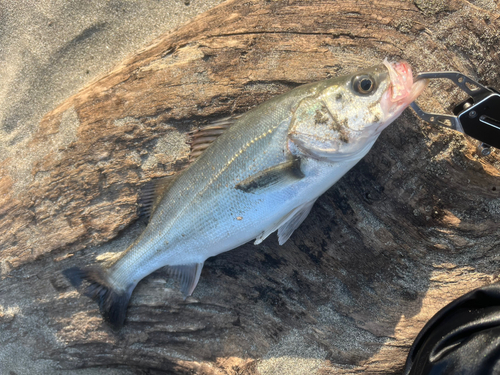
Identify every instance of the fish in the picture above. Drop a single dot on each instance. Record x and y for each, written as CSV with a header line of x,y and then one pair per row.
x,y
262,174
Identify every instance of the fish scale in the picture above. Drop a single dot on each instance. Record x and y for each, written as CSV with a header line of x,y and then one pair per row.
x,y
233,157
260,175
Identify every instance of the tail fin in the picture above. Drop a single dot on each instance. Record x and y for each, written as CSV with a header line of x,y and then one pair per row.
x,y
112,302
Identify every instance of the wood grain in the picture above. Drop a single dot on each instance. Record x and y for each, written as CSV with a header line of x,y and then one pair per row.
x,y
409,229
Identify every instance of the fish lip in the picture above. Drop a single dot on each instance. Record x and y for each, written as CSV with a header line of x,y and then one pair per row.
x,y
402,90
401,77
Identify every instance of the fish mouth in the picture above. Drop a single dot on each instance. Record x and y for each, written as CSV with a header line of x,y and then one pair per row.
x,y
402,90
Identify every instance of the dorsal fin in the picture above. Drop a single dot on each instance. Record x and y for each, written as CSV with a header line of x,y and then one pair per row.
x,y
203,137
151,193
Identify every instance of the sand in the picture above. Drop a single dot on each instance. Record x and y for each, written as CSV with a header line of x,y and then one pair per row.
x,y
50,49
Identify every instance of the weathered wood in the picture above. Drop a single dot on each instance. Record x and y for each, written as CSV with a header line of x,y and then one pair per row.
x,y
406,231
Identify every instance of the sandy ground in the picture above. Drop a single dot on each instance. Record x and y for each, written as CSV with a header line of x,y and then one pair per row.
x,y
49,50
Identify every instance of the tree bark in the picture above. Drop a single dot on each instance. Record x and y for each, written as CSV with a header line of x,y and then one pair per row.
x,y
409,229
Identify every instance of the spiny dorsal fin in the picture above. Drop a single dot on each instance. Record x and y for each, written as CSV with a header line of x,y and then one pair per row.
x,y
151,193
277,176
203,137
188,275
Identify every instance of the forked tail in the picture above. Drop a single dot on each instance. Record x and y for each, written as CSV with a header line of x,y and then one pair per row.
x,y
112,302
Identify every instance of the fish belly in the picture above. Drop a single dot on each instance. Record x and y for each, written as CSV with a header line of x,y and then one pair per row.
x,y
213,226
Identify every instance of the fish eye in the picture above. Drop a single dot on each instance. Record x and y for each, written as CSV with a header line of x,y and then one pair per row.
x,y
363,85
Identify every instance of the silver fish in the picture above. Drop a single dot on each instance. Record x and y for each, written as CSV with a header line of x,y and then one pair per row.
x,y
262,175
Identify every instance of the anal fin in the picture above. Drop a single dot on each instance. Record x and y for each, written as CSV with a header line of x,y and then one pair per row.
x,y
188,276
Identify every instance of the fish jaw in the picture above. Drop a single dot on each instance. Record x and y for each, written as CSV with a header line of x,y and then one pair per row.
x,y
401,92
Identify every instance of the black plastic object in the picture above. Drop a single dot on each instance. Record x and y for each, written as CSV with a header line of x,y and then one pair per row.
x,y
463,338
482,120
478,116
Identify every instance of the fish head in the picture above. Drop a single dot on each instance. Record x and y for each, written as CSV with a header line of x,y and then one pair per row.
x,y
343,118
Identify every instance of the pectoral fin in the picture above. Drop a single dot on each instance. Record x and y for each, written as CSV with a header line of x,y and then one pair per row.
x,y
188,275
274,177
288,223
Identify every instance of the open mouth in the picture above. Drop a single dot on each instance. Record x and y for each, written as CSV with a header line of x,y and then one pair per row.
x,y
402,90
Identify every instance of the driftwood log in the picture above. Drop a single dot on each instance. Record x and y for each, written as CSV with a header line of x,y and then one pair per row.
x,y
410,228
